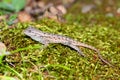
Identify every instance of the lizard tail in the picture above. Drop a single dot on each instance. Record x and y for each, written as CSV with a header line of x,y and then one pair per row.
x,y
92,48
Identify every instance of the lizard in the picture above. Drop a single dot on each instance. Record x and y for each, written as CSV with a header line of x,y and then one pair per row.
x,y
46,38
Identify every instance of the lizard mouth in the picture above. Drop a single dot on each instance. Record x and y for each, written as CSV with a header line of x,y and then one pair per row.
x,y
26,32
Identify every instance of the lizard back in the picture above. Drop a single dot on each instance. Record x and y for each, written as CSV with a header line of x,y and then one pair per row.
x,y
46,38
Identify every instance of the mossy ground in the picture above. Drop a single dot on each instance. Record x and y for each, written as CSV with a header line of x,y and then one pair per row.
x,y
29,61
58,61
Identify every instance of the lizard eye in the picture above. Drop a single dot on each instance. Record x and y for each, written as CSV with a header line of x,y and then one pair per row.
x,y
29,30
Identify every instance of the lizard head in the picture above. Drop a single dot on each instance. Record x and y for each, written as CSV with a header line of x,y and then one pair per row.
x,y
29,31
33,32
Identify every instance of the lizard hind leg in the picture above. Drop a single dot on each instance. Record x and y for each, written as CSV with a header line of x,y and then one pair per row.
x,y
77,49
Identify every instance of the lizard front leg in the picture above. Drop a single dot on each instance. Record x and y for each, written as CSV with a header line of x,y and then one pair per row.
x,y
44,42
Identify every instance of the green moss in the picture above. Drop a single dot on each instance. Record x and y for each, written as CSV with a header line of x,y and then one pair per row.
x,y
58,61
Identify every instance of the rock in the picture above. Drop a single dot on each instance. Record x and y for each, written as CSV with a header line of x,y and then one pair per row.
x,y
3,49
87,8
53,10
109,15
41,4
24,17
62,9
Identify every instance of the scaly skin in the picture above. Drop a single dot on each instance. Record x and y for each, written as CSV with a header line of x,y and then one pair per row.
x,y
46,38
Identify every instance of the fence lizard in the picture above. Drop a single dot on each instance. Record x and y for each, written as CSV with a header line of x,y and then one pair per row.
x,y
46,38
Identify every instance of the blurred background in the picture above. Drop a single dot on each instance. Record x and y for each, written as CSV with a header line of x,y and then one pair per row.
x,y
60,10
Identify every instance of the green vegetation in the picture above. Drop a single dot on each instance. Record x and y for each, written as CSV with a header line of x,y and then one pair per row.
x,y
12,5
58,61
30,61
